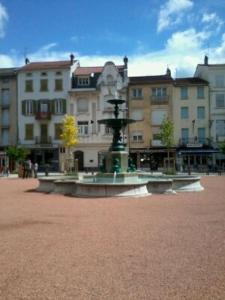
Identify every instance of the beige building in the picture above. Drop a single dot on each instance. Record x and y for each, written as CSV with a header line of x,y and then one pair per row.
x,y
191,122
8,111
150,101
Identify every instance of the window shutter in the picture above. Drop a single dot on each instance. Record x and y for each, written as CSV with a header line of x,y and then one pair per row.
x,y
38,106
34,103
64,105
52,103
24,107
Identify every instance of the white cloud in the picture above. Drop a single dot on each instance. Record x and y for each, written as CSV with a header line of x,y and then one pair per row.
x,y
182,52
171,13
211,20
3,19
188,40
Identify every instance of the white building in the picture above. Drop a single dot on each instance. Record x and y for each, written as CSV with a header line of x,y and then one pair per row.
x,y
215,75
91,88
42,101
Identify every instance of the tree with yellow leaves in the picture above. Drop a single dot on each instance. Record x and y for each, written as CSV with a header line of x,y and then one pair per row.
x,y
69,138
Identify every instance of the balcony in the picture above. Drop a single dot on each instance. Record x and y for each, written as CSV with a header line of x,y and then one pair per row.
x,y
43,116
43,140
159,100
5,104
194,142
156,143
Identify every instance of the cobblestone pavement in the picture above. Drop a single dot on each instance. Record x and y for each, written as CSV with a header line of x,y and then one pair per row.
x,y
155,247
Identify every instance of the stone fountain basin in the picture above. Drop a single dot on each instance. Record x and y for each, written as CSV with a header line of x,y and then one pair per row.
x,y
123,184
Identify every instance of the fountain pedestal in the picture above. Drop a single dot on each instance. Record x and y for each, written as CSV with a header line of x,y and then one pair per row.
x,y
117,156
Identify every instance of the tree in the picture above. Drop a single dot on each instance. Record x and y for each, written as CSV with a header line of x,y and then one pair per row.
x,y
69,137
16,154
166,136
222,147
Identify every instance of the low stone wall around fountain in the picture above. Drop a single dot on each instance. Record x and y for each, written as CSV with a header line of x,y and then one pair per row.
x,y
127,184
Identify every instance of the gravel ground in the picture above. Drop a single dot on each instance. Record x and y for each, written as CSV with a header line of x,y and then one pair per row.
x,y
155,247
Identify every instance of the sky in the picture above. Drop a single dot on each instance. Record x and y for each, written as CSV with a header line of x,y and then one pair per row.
x,y
153,34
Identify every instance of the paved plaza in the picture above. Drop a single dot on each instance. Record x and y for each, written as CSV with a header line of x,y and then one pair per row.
x,y
155,247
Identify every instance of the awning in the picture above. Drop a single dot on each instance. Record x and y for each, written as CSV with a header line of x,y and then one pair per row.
x,y
198,151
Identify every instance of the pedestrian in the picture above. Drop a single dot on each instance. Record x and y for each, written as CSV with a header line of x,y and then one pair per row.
x,y
35,169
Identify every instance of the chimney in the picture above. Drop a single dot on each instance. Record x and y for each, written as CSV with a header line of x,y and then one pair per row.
x,y
125,60
206,60
168,72
27,61
71,59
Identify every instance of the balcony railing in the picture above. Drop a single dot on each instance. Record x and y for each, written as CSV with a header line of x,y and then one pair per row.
x,y
194,142
43,140
161,99
43,116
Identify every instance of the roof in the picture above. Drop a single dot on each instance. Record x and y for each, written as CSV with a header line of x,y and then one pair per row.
x,y
90,70
8,71
151,79
190,81
212,65
33,66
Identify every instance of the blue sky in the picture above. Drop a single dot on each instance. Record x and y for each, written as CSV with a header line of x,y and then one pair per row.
x,y
153,34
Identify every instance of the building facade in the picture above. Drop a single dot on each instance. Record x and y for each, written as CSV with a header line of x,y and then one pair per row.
x,y
8,112
150,101
215,75
91,88
192,123
42,102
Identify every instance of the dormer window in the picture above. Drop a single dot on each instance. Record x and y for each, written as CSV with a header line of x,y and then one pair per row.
x,y
83,81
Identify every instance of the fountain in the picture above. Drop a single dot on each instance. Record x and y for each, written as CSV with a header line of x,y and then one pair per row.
x,y
117,175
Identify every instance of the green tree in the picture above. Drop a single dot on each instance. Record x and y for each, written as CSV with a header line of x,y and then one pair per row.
x,y
69,138
16,154
222,147
166,136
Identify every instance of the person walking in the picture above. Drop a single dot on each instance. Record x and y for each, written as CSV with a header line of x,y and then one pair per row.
x,y
35,169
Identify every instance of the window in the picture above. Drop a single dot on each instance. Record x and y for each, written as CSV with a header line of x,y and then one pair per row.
x,y
58,73
200,92
184,93
58,130
220,101
5,97
219,81
137,137
184,135
43,74
201,135
157,116
184,112
220,127
201,112
156,136
29,85
28,74
59,106
159,92
5,80
5,117
5,136
82,105
43,107
137,93
137,115
83,81
108,130
58,85
27,107
82,127
29,131
44,85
